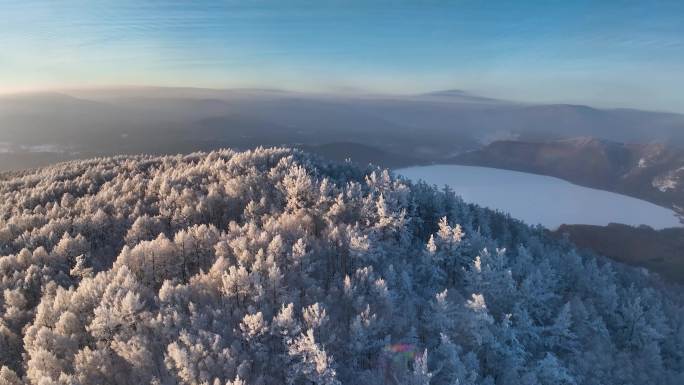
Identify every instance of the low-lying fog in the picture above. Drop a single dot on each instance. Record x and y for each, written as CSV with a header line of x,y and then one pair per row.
x,y
542,199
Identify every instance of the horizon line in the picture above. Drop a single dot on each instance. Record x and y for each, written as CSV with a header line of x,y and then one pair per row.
x,y
333,92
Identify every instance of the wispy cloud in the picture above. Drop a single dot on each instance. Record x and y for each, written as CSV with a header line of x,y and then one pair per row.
x,y
344,43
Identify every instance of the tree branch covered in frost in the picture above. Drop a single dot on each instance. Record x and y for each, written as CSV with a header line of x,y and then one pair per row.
x,y
272,267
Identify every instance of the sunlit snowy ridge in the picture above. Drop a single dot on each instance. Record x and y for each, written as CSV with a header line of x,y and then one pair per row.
x,y
273,267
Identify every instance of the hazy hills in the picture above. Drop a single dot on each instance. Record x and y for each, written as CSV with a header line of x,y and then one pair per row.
x,y
428,128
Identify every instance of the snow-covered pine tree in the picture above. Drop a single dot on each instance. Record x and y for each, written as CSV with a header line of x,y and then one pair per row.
x,y
271,267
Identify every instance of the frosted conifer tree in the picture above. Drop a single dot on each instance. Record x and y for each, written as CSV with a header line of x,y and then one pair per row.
x,y
273,267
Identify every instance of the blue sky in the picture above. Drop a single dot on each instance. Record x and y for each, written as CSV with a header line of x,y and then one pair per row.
x,y
607,52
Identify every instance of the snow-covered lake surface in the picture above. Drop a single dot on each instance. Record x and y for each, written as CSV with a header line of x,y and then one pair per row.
x,y
542,199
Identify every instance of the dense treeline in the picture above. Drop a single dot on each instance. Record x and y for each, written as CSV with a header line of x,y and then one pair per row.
x,y
271,267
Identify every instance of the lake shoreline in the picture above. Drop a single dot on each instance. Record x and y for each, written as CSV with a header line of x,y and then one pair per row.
x,y
566,202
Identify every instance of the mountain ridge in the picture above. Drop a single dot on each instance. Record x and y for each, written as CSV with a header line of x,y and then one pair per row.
x,y
273,266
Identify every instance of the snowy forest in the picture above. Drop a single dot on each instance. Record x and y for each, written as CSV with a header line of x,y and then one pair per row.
x,y
272,266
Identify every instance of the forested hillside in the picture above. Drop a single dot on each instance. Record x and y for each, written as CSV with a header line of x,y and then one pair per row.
x,y
657,250
272,267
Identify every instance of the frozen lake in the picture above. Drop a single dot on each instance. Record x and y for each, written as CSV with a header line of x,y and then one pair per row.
x,y
542,199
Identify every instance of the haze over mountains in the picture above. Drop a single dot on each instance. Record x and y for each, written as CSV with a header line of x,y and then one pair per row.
x,y
451,126
578,143
430,127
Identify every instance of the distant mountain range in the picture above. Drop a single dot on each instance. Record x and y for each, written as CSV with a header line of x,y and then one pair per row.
x,y
431,127
451,126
